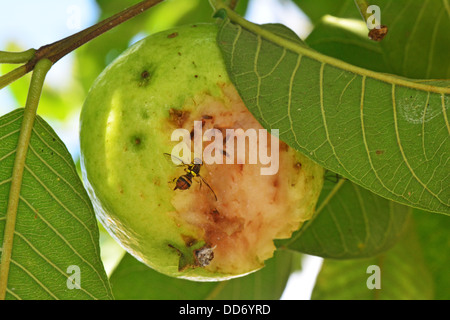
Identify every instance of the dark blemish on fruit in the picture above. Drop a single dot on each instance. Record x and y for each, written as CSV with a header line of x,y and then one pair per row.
x,y
298,166
207,117
183,263
194,26
136,142
196,76
172,35
145,74
276,183
145,77
178,117
179,53
189,241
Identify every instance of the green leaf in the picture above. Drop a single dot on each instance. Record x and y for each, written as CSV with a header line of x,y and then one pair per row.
x,y
315,10
56,233
433,231
416,45
403,275
350,222
134,280
346,39
386,133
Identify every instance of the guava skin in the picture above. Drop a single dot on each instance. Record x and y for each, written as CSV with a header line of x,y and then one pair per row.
x,y
161,83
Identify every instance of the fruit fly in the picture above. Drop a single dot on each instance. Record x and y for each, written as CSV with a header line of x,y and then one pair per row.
x,y
192,170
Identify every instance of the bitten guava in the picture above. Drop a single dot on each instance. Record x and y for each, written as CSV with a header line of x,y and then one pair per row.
x,y
194,220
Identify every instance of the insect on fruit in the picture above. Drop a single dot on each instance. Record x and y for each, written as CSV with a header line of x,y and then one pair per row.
x,y
192,170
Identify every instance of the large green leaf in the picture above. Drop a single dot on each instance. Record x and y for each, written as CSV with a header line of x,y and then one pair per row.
x,y
415,268
386,133
350,222
347,40
55,239
416,45
433,235
134,280
315,10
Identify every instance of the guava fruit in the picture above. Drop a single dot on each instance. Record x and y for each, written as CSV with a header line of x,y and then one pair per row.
x,y
220,220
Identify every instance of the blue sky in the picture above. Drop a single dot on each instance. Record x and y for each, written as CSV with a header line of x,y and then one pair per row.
x,y
31,24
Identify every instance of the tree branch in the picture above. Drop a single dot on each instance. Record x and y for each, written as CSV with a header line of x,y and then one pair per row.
x,y
59,49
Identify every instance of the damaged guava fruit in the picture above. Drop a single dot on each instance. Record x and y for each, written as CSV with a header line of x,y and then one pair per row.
x,y
198,221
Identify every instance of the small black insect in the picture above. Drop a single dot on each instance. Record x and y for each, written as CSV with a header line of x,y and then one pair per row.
x,y
192,170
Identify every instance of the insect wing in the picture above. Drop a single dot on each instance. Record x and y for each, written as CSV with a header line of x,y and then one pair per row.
x,y
207,184
175,160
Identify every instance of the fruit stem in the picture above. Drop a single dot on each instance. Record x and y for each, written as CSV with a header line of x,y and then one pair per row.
x,y
34,94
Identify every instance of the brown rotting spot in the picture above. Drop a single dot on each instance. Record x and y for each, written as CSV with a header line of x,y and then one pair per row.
x,y
145,74
172,35
178,117
378,34
188,240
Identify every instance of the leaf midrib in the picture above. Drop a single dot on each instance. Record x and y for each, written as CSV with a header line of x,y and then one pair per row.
x,y
303,50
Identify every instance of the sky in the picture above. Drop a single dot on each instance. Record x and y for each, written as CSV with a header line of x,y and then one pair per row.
x,y
32,23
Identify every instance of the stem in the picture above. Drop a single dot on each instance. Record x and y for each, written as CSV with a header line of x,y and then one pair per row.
x,y
16,57
12,76
379,31
59,49
34,94
362,6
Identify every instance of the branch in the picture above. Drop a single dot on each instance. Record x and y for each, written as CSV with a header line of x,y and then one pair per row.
x,y
59,49
16,57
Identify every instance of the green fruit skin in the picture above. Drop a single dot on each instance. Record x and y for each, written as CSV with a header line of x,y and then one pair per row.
x,y
123,137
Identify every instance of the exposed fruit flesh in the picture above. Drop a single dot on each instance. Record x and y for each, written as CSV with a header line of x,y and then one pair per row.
x,y
163,83
251,209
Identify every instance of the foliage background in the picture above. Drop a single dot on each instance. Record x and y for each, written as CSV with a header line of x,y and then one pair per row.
x,y
420,275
